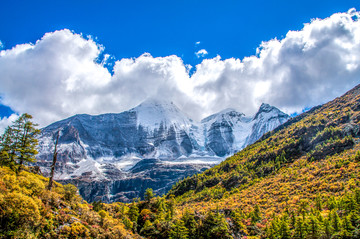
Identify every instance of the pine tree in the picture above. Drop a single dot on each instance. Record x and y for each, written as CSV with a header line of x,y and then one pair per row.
x,y
347,225
292,219
18,143
357,196
303,208
133,212
149,194
148,229
270,232
335,222
6,144
190,224
255,215
179,231
284,229
171,205
300,228
25,138
215,226
318,203
273,230
327,228
314,227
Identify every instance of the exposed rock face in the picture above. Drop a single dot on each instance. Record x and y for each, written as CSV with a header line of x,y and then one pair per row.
x,y
108,156
266,119
148,173
229,131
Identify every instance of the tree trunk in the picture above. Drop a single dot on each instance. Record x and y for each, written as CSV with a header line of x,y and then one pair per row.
x,y
53,163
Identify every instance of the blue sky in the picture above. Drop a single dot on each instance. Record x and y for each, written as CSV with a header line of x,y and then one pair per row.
x,y
229,28
128,29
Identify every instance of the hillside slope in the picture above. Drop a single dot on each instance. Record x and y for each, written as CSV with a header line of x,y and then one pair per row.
x,y
301,180
29,210
312,159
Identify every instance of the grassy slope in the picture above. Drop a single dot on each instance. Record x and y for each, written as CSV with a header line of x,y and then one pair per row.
x,y
313,155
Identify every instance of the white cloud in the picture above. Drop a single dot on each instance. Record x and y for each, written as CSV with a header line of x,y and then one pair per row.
x,y
53,78
197,43
306,68
7,121
201,53
58,75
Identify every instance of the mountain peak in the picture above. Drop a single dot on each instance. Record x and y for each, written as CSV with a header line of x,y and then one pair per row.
x,y
156,102
154,111
219,115
266,107
228,110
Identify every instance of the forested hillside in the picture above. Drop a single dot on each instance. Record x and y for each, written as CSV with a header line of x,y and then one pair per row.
x,y
29,210
32,206
301,180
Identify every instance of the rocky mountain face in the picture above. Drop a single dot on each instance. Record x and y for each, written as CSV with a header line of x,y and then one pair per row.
x,y
229,131
115,157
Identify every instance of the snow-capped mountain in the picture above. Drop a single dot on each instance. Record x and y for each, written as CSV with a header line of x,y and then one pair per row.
x,y
226,131
107,147
153,113
266,119
229,131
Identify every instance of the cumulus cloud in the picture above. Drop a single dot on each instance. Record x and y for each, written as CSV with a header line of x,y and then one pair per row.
x,y
53,78
61,74
306,68
201,53
7,121
197,43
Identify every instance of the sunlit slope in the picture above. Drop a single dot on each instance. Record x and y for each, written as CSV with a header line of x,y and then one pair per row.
x,y
312,154
29,210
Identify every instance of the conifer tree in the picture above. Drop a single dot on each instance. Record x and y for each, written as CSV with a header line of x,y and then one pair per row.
x,y
303,208
292,219
300,228
284,230
215,226
171,205
318,203
179,231
347,223
26,133
314,227
190,224
255,215
148,229
18,143
6,144
133,212
327,228
336,224
149,194
274,229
